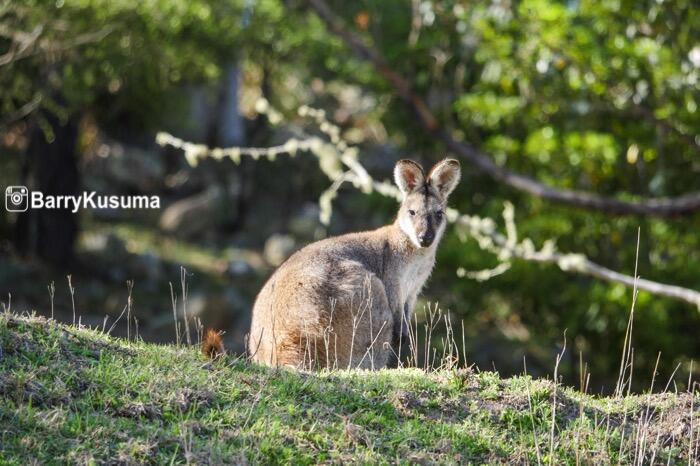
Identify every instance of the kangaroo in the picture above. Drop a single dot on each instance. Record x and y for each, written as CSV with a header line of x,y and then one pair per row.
x,y
344,301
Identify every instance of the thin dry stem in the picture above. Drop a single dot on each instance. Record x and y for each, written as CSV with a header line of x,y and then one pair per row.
x,y
183,285
72,295
52,293
173,301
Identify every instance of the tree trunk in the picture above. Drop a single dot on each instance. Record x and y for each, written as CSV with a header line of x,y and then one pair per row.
x,y
226,129
50,167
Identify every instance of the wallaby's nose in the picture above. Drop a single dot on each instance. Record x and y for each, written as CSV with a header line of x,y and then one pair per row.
x,y
426,239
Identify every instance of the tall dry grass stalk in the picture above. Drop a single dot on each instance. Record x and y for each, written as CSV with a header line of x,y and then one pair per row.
x,y
319,349
318,345
129,304
52,293
7,307
627,358
173,301
72,295
185,292
554,401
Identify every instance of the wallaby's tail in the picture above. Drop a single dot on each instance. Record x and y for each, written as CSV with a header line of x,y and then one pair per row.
x,y
212,346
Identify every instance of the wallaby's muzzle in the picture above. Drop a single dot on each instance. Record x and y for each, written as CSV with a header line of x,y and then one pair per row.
x,y
426,239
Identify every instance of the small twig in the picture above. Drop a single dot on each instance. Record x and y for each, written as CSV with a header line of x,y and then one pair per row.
x,y
114,324
627,344
691,452
200,330
554,401
129,302
372,344
464,346
52,292
22,112
183,284
173,300
7,308
72,295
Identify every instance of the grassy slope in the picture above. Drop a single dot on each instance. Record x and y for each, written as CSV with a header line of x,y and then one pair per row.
x,y
76,396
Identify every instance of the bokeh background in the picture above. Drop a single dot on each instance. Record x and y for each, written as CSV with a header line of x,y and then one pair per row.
x,y
599,96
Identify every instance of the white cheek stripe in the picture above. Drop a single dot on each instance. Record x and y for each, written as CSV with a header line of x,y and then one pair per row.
x,y
440,231
407,227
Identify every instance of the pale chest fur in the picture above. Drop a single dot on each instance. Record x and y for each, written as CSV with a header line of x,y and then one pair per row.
x,y
415,274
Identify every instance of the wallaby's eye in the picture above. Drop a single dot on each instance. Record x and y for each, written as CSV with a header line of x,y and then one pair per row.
x,y
438,215
412,212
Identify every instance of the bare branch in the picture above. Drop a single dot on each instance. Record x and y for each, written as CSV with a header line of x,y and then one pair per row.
x,y
340,164
25,45
22,112
484,232
660,207
22,45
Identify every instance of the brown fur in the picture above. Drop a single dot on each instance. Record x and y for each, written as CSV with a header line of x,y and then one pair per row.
x,y
212,345
340,302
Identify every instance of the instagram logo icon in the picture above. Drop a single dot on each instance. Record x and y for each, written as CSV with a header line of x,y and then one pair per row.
x,y
16,199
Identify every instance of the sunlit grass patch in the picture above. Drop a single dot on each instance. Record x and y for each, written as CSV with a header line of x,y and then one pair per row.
x,y
74,395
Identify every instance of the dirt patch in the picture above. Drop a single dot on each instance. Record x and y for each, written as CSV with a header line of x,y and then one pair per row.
x,y
137,410
425,405
668,418
405,403
21,391
186,398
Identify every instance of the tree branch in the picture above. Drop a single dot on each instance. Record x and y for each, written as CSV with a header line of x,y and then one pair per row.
x,y
339,162
21,112
29,44
508,247
659,207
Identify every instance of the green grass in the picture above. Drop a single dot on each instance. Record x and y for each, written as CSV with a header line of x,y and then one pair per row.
x,y
71,395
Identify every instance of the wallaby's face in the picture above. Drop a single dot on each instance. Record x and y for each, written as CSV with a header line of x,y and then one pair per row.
x,y
422,212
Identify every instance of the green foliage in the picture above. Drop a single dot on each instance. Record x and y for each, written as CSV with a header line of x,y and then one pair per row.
x,y
600,96
129,55
596,96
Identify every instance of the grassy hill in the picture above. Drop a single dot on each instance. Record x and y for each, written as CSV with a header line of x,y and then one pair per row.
x,y
70,395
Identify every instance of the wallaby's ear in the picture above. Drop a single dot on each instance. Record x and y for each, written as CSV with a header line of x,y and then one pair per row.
x,y
408,176
444,176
